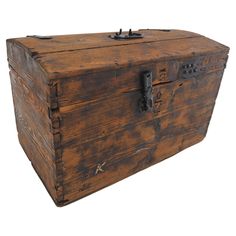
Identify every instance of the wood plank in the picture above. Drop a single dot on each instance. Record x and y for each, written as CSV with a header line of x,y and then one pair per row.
x,y
74,42
28,69
131,164
103,85
81,160
30,102
45,171
101,118
67,64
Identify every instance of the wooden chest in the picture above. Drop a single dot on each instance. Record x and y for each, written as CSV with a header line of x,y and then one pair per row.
x,y
92,109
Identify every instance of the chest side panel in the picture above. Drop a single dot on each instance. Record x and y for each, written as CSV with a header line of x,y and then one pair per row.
x,y
35,110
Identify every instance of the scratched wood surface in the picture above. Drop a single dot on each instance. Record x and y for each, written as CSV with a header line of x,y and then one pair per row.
x,y
77,103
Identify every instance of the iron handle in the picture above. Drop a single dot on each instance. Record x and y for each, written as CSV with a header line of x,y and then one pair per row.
x,y
130,35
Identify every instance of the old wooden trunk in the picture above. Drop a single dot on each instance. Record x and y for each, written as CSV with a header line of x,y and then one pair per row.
x,y
93,109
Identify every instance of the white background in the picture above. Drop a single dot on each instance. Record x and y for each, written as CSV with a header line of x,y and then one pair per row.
x,y
193,193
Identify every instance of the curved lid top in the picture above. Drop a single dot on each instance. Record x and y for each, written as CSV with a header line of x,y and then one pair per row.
x,y
69,55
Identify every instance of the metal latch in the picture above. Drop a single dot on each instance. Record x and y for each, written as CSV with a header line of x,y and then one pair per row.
x,y
40,36
147,100
130,35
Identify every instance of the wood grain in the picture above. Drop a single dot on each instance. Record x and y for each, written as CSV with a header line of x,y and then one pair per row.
x,y
67,64
79,121
60,43
88,88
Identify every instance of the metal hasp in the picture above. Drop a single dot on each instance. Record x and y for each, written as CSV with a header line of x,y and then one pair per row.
x,y
147,101
130,35
39,36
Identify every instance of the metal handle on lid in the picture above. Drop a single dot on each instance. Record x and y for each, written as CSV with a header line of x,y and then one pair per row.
x,y
130,35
